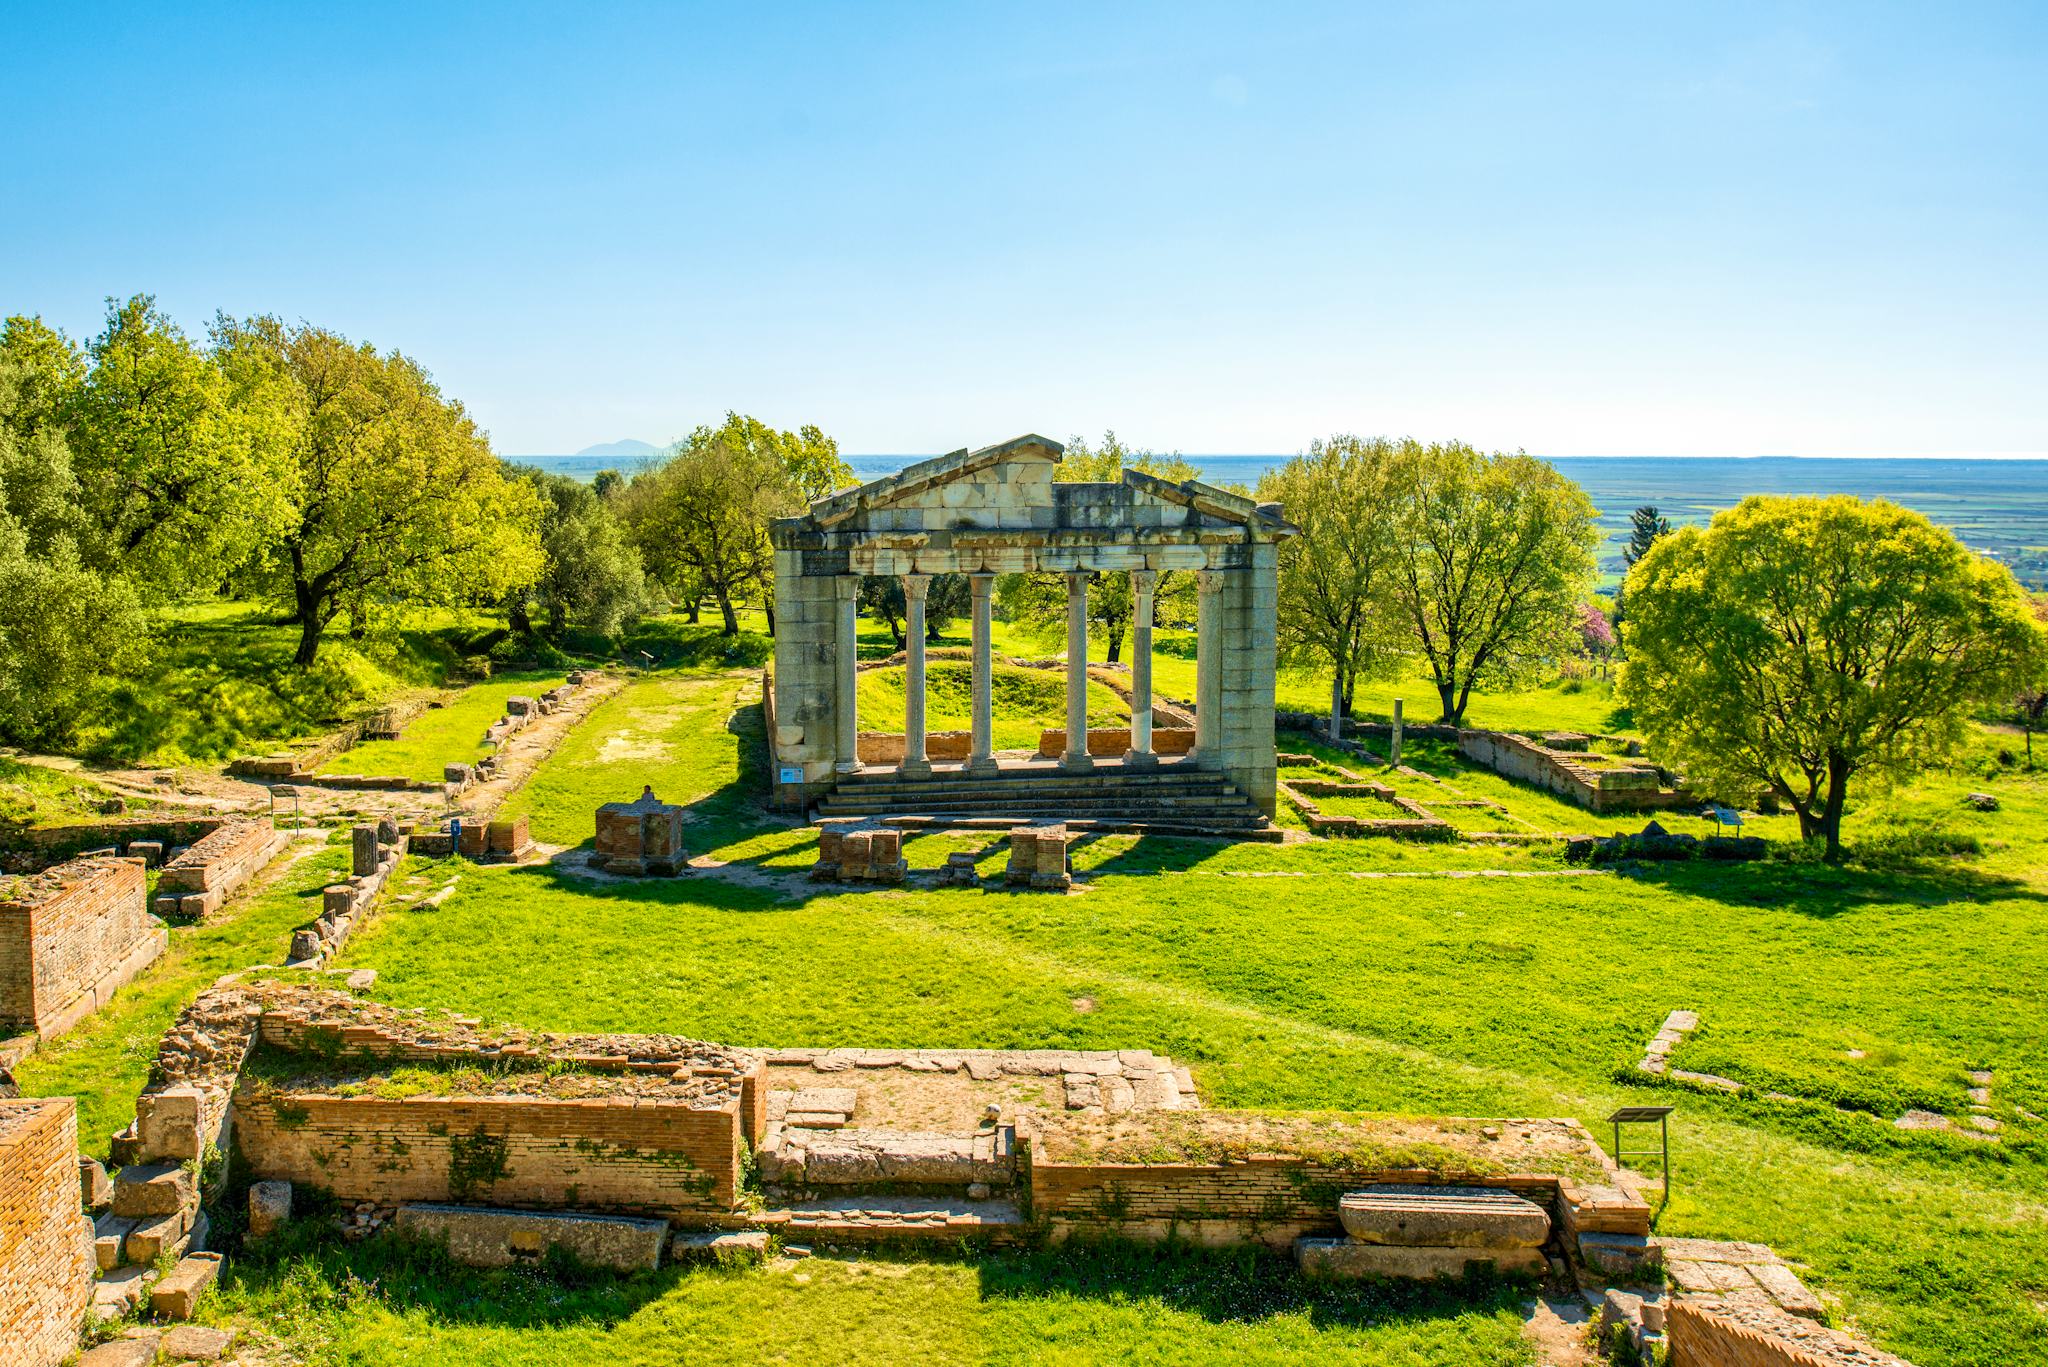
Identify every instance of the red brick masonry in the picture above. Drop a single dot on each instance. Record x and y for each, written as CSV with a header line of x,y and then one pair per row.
x,y
70,936
46,1261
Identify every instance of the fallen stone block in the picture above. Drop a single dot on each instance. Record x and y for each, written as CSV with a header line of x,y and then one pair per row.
x,y
151,1239
138,1351
745,1245
195,1343
1442,1217
305,945
95,1189
1348,1258
270,1206
484,1237
170,1122
1625,1257
155,1189
110,1240
177,1295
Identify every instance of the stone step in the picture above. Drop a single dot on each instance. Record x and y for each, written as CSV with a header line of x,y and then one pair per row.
x,y
1011,792
1078,806
870,1219
1252,827
1409,1216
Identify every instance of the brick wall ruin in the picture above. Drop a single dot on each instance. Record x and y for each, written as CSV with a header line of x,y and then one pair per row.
x,y
70,936
1623,788
1271,1178
214,867
1757,1335
637,1152
46,1259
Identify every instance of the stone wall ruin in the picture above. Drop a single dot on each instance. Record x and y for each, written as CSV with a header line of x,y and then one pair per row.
x,y
69,937
46,1258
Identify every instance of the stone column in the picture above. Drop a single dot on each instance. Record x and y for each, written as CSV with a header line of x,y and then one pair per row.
x,y
915,764
1208,664
1076,756
981,758
1394,743
1140,755
846,657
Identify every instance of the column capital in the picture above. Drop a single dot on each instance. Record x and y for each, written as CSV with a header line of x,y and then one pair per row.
x,y
1077,580
980,581
1144,581
1208,581
915,585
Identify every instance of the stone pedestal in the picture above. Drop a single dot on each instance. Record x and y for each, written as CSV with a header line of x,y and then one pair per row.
x,y
859,854
641,837
1038,857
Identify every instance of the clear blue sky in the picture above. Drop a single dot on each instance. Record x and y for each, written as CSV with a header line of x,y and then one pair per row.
x,y
1630,229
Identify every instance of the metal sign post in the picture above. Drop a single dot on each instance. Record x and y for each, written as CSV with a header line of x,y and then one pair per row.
x,y
1645,1115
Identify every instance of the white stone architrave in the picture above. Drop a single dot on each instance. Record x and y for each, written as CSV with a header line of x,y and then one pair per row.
x,y
998,510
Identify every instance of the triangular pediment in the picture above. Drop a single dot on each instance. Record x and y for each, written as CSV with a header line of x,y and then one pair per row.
x,y
915,484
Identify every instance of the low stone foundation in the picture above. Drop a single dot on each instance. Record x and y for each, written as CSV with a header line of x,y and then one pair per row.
x,y
69,937
1710,1332
507,1238
641,837
211,870
1038,857
46,1254
859,853
1606,788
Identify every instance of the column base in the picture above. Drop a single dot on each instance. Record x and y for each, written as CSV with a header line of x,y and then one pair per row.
x,y
1076,763
914,768
983,766
1140,759
848,766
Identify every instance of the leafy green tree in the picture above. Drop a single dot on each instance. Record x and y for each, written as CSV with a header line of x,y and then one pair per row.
x,y
395,500
1796,644
1039,601
700,519
593,577
183,478
1495,553
63,624
1335,608
946,598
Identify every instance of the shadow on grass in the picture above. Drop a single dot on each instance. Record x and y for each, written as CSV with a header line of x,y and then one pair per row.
x,y
1823,892
309,1271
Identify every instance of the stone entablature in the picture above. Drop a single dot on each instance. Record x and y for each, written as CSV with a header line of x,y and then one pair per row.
x,y
999,510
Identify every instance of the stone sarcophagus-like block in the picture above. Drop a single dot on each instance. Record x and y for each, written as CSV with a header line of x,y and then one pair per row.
x,y
644,836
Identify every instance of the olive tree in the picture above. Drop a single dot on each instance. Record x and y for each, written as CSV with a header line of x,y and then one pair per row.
x,y
1795,644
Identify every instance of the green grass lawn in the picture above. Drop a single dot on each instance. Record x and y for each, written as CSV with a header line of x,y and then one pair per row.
x,y
35,795
1351,974
439,736
1022,702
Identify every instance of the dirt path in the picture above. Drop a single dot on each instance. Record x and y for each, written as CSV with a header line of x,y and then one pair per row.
x,y
1560,1327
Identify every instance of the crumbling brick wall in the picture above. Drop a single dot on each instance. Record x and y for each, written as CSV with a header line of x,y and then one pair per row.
x,y
1757,1336
204,876
636,1154
68,937
46,1258
1268,1200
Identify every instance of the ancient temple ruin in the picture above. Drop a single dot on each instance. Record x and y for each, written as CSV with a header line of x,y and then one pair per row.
x,y
999,510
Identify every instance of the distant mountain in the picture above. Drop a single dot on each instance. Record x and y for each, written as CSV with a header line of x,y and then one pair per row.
x,y
628,447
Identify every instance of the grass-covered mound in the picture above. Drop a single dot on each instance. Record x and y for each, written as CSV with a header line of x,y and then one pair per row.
x,y
32,795
1022,702
449,734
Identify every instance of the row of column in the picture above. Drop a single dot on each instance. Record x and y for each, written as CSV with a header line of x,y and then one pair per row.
x,y
981,755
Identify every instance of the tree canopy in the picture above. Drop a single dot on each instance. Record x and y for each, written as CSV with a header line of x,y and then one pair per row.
x,y
700,519
592,577
1494,555
394,496
1796,643
1335,590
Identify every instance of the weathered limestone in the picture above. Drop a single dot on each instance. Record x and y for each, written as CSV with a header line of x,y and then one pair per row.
x,y
1076,756
981,755
1350,1258
1140,755
1208,589
485,1237
999,510
859,854
915,763
1038,857
270,1207
1442,1217
177,1295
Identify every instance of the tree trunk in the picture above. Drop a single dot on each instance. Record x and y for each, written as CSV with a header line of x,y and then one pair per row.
x,y
1337,707
1831,815
732,618
695,609
1453,707
557,619
768,611
516,615
309,639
